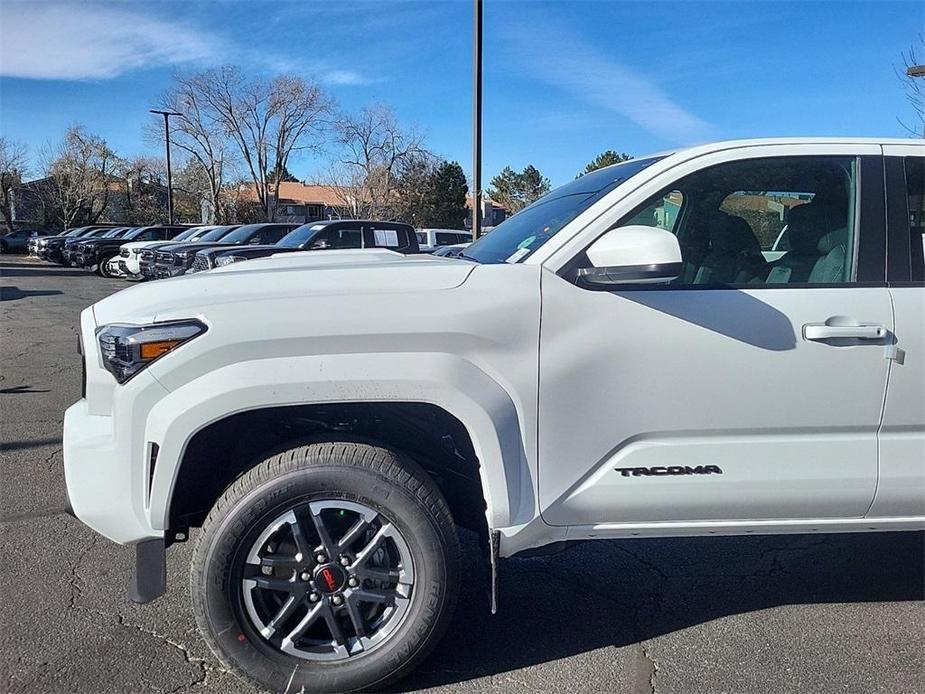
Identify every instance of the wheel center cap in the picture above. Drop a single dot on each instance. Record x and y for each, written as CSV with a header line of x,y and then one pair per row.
x,y
330,578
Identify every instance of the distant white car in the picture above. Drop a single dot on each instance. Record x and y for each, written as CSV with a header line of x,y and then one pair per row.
x,y
431,239
128,263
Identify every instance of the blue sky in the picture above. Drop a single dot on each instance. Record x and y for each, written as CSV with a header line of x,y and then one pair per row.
x,y
563,80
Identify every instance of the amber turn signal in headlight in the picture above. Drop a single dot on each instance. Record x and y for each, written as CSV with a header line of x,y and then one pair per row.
x,y
127,349
152,350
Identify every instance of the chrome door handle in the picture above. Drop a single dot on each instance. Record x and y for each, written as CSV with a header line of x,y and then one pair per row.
x,y
821,331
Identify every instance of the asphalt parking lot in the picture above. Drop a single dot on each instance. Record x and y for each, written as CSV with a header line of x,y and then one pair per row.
x,y
838,613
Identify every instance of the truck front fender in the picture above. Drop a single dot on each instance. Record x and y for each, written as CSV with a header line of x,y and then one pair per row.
x,y
493,419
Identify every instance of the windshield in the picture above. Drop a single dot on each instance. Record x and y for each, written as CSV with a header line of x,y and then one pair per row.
x,y
136,232
517,237
241,234
216,233
113,233
192,231
298,236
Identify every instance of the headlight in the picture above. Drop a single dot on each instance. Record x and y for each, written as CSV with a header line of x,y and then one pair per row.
x,y
127,349
224,260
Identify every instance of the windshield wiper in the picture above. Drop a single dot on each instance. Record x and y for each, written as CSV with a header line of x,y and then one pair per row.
x,y
469,257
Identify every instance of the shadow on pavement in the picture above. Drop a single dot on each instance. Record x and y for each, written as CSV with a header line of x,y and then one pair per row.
x,y
15,293
618,593
16,390
33,443
35,269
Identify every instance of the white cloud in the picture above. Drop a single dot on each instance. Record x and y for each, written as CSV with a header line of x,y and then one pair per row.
x,y
81,41
571,64
87,41
345,77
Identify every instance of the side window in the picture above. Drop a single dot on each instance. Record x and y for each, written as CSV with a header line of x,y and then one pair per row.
x,y
390,238
338,238
662,212
270,235
782,220
151,235
915,191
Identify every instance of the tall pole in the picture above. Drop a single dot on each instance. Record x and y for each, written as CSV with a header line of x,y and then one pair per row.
x,y
477,120
167,115
917,71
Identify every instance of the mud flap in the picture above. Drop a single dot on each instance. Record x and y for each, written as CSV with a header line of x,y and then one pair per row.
x,y
149,581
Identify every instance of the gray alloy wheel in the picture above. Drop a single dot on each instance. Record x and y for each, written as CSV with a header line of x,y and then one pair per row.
x,y
328,580
329,567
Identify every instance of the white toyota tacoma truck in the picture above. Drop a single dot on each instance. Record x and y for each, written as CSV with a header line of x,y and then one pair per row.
x,y
725,339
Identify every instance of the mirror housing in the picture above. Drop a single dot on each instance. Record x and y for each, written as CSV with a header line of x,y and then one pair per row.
x,y
634,254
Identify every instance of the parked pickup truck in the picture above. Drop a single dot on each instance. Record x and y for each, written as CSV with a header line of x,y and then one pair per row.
x,y
627,357
315,236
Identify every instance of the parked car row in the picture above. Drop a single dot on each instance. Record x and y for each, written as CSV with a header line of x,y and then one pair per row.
x,y
162,251
17,241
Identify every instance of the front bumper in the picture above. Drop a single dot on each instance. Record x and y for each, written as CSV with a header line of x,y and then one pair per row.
x,y
126,272
101,481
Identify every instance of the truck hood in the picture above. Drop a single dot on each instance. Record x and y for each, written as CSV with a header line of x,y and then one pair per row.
x,y
131,245
266,280
285,259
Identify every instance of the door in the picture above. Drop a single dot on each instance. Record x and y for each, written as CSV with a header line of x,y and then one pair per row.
x,y
901,491
750,388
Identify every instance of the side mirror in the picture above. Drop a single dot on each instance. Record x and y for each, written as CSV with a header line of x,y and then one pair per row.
x,y
633,254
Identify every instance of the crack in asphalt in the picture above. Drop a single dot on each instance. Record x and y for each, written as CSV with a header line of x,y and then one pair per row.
x,y
205,668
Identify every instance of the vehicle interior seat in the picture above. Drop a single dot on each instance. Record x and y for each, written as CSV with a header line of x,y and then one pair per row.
x,y
818,252
734,254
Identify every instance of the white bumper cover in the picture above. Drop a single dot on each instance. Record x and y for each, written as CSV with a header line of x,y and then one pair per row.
x,y
101,479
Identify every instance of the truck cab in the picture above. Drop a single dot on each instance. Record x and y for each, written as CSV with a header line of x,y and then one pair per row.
x,y
636,354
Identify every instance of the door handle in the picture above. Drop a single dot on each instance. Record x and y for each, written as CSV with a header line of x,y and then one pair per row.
x,y
821,331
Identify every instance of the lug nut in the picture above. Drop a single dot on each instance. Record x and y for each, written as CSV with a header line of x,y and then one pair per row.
x,y
314,597
344,561
353,582
267,570
337,600
305,576
320,558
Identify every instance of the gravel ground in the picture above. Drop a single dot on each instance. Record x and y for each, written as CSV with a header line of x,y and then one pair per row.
x,y
838,613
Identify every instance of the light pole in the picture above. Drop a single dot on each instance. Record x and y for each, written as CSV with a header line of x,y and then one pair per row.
x,y
477,120
167,115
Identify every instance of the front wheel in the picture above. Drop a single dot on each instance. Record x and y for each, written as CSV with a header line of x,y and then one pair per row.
x,y
329,567
102,269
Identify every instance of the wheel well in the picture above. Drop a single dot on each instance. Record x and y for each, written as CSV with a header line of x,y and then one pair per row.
x,y
428,434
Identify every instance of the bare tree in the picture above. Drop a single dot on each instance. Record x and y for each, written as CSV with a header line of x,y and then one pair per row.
x,y
144,198
199,133
374,149
12,168
914,87
267,120
81,173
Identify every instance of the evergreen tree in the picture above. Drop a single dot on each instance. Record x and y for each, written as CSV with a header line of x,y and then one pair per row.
x,y
604,159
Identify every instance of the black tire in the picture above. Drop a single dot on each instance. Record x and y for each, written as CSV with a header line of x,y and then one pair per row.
x,y
101,268
375,478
